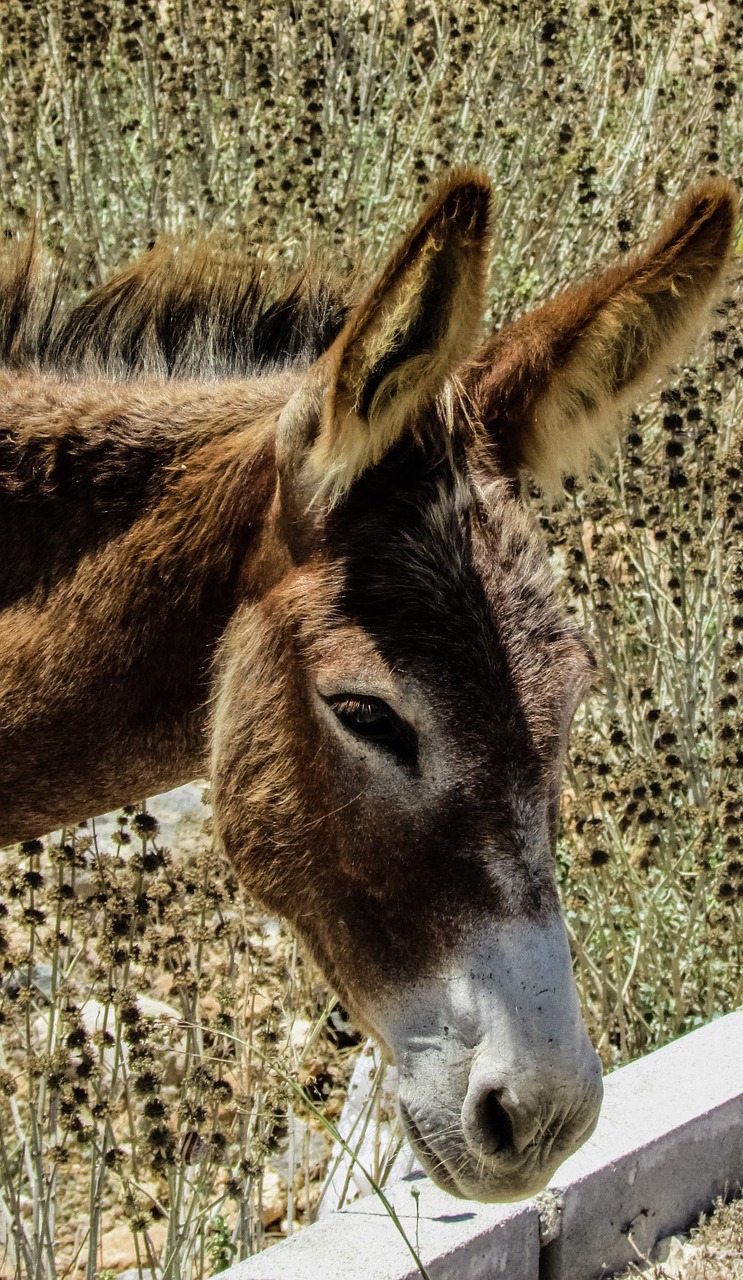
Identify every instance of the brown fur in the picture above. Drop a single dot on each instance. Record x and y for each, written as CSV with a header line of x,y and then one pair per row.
x,y
196,558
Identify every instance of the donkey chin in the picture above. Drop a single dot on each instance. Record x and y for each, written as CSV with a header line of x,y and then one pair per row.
x,y
498,1081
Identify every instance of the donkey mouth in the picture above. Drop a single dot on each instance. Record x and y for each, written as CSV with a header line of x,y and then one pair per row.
x,y
472,1181
490,1178
432,1163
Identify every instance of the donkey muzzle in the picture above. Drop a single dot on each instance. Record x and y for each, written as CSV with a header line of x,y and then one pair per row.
x,y
498,1080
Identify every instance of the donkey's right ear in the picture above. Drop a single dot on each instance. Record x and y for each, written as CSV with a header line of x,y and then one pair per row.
x,y
420,319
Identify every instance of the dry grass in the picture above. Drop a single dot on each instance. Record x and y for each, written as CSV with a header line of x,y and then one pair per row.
x,y
163,1049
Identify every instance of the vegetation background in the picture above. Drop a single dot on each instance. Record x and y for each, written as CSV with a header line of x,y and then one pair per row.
x,y
193,1126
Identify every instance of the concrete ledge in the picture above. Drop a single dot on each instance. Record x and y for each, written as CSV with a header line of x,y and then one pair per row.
x,y
452,1238
669,1141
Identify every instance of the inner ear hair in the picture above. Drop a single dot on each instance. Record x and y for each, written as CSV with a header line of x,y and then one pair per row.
x,y
416,324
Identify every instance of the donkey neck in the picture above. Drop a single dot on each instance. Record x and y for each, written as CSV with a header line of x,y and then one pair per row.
x,y
128,513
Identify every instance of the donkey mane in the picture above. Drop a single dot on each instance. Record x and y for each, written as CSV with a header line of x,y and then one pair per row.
x,y
175,364
208,311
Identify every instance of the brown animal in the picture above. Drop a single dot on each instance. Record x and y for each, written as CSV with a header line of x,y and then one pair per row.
x,y
284,542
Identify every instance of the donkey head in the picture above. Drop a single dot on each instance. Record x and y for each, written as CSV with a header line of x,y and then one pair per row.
x,y
393,713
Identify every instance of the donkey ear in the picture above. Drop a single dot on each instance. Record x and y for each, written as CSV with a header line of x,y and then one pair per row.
x,y
548,386
416,324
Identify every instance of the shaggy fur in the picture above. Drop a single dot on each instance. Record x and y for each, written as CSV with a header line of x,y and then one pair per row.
x,y
204,311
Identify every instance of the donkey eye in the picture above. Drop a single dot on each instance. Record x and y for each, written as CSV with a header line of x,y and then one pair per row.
x,y
374,721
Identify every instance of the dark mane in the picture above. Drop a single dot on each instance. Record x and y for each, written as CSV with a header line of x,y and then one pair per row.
x,y
206,311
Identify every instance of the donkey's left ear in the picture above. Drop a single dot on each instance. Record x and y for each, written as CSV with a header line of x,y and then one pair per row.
x,y
548,386
420,319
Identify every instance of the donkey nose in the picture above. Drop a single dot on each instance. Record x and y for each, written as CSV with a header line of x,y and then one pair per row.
x,y
495,1122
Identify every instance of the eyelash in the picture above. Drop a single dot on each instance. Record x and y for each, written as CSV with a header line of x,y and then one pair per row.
x,y
385,730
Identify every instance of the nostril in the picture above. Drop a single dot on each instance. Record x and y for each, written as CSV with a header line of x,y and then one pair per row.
x,y
496,1126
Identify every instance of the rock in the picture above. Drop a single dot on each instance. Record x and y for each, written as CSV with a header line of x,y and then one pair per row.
x,y
671,1250
310,1148
274,1198
117,1245
300,1033
181,814
39,979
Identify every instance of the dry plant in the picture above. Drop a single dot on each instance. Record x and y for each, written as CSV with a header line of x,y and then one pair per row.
x,y
309,126
153,1062
161,1110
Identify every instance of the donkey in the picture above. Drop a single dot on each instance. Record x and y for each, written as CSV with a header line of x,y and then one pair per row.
x,y
284,543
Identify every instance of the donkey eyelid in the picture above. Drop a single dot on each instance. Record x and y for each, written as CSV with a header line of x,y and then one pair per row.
x,y
390,733
350,700
337,688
